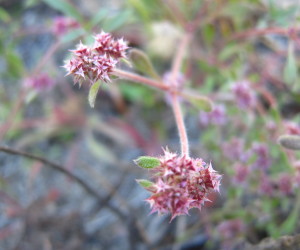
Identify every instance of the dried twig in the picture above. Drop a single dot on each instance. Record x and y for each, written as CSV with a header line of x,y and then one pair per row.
x,y
104,201
130,220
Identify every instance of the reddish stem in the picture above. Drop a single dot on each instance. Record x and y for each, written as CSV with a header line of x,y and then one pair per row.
x,y
177,62
140,79
262,32
180,125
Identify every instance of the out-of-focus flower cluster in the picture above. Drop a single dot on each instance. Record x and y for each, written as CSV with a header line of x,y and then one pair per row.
x,y
62,25
176,83
216,117
244,96
229,231
230,228
181,183
98,61
39,82
292,128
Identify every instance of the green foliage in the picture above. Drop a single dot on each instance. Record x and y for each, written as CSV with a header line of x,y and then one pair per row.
x,y
200,102
145,183
291,68
142,63
147,162
232,41
66,8
15,66
4,15
117,21
138,93
72,35
94,89
99,17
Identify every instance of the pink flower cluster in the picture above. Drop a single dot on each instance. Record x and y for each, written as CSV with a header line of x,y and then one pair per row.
x,y
244,95
62,25
98,61
292,128
39,82
216,117
181,183
229,229
263,159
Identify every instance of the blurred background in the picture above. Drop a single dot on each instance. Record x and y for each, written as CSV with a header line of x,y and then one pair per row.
x,y
244,56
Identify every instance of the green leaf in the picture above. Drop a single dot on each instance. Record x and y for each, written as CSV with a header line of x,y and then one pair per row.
x,y
66,8
141,9
4,16
289,225
290,141
30,96
202,103
72,35
15,64
208,34
142,63
199,102
98,17
100,150
30,3
290,70
232,49
145,183
93,93
138,93
147,162
117,21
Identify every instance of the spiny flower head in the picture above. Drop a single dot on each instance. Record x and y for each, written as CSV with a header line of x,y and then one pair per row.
x,y
105,44
180,183
96,62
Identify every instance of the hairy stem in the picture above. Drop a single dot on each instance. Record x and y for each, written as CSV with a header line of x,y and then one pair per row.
x,y
140,79
176,67
184,143
177,62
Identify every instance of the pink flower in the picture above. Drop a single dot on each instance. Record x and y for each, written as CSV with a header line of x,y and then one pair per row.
x,y
39,82
263,159
176,83
231,228
244,95
216,117
292,128
285,184
296,181
181,183
96,62
266,185
105,44
241,173
234,150
62,25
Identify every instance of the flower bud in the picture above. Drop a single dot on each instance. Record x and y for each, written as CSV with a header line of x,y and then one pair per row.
x,y
147,162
